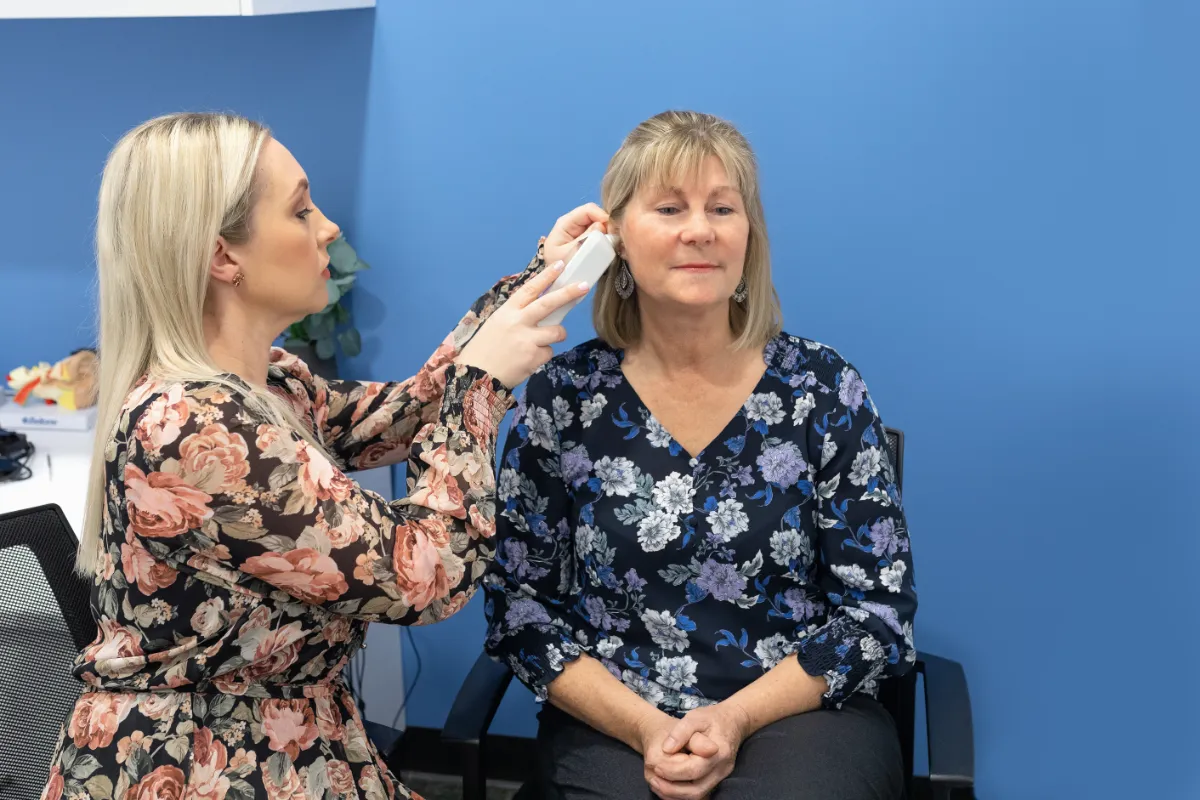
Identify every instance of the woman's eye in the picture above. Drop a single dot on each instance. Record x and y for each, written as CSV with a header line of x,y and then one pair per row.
x,y
304,213
667,209
723,211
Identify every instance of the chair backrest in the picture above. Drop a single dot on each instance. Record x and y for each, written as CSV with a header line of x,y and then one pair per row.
x,y
895,446
45,619
899,695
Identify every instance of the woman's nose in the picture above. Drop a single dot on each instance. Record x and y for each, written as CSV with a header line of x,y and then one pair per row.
x,y
329,230
698,229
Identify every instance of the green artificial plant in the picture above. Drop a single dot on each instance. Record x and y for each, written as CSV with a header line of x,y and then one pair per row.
x,y
334,325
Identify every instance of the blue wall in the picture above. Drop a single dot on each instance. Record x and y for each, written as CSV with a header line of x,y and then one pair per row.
x,y
988,206
83,83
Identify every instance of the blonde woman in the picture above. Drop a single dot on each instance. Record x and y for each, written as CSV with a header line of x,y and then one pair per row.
x,y
702,562
235,563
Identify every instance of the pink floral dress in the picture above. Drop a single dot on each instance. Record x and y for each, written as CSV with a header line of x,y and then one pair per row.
x,y
243,565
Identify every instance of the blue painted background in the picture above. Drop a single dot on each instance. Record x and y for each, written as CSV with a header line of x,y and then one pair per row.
x,y
70,88
991,207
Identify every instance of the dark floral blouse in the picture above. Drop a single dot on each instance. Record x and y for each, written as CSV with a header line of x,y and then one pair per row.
x,y
690,577
243,564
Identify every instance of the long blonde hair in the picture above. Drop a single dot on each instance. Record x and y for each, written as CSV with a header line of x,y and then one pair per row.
x,y
171,186
655,153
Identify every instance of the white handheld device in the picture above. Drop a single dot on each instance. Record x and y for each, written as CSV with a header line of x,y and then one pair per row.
x,y
595,254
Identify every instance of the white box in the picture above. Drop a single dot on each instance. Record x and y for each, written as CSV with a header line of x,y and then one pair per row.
x,y
37,416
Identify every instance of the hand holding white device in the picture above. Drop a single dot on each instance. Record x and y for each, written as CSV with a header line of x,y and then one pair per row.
x,y
594,256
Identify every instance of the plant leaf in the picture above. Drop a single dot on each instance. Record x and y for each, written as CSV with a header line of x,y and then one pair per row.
x,y
351,342
319,325
325,348
340,252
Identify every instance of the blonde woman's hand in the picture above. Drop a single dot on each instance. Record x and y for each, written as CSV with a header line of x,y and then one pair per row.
x,y
562,242
511,344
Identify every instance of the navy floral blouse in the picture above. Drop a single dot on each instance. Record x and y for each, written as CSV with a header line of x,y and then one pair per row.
x,y
688,578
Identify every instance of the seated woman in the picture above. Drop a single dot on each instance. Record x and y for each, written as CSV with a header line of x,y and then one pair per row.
x,y
702,557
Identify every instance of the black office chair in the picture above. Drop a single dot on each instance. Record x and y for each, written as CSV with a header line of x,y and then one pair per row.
x,y
947,711
45,620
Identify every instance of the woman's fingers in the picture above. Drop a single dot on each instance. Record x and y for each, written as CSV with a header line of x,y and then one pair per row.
x,y
551,334
536,285
540,308
578,221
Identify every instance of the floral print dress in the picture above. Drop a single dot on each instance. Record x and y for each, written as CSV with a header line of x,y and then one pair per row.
x,y
689,577
242,566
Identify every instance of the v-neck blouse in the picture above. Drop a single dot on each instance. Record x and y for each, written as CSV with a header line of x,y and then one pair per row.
x,y
675,446
689,577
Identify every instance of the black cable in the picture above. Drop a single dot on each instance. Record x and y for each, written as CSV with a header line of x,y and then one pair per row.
x,y
15,452
416,677
12,471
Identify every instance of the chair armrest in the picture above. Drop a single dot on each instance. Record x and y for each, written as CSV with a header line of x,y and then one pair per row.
x,y
477,701
948,720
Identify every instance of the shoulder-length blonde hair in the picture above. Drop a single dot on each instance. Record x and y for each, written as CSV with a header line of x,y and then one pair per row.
x,y
655,154
171,186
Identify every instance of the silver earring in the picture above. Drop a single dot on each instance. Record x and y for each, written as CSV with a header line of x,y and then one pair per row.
x,y
624,281
741,292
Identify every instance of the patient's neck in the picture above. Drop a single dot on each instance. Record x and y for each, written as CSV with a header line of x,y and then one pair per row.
x,y
686,341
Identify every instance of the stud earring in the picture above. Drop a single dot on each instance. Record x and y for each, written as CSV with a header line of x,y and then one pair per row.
x,y
238,278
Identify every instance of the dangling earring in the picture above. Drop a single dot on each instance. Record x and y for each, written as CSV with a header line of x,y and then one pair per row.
x,y
741,292
624,281
238,278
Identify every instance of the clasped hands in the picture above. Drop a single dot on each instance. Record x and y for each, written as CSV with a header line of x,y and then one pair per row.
x,y
686,758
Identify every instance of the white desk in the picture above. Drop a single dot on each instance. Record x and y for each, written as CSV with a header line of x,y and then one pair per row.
x,y
60,464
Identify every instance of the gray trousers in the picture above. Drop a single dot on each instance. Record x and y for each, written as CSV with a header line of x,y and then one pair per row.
x,y
851,754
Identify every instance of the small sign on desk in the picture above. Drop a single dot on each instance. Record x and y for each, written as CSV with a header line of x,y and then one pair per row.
x,y
42,417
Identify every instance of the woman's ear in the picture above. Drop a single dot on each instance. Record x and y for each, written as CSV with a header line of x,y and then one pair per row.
x,y
615,230
224,266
